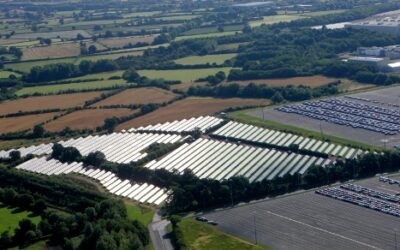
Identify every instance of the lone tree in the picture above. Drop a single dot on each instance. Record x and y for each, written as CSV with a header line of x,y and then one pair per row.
x,y
110,124
38,131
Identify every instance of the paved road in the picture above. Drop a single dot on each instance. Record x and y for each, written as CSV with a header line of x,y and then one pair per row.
x,y
158,233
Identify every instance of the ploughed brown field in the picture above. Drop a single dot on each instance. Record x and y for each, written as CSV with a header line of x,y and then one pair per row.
x,y
310,81
86,119
138,96
190,107
120,42
52,51
47,102
21,123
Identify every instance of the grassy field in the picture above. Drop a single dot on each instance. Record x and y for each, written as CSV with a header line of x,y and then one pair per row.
x,y
142,214
275,19
103,75
9,218
198,235
71,86
225,33
6,74
217,59
183,75
40,245
137,96
26,66
242,116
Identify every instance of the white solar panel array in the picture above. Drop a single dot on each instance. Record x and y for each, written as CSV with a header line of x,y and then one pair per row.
x,y
221,160
144,193
185,125
241,131
117,147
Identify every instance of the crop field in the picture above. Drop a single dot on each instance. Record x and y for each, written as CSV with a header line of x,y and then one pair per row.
x,y
207,35
63,34
120,42
53,51
385,97
310,81
86,119
189,107
53,89
11,41
138,96
208,59
103,75
275,19
47,102
6,74
229,46
21,123
26,66
10,217
184,75
312,221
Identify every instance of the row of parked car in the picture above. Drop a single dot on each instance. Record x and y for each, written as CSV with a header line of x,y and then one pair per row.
x,y
372,101
356,115
361,200
371,192
204,219
389,180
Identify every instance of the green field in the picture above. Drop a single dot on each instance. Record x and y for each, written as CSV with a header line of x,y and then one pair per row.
x,y
198,235
275,19
178,18
10,217
103,75
142,214
6,74
71,86
36,246
217,59
225,33
184,75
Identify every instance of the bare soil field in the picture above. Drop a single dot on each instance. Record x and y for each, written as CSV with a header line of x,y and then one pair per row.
x,y
15,124
311,81
86,119
190,107
120,42
138,96
11,41
310,221
52,51
47,102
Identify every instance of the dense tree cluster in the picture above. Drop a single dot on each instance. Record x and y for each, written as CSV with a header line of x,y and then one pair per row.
x,y
96,222
290,93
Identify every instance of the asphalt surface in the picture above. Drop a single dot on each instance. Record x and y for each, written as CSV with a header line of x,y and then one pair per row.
x,y
386,95
159,233
310,221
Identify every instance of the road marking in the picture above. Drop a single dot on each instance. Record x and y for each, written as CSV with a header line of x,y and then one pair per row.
x,y
323,230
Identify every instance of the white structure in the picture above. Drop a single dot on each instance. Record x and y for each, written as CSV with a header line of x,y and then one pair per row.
x,y
221,160
245,132
143,193
117,147
185,125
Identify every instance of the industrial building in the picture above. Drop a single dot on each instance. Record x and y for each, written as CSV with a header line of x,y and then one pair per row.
x,y
385,24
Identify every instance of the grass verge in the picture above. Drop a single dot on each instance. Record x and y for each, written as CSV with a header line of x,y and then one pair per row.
x,y
140,213
198,235
10,217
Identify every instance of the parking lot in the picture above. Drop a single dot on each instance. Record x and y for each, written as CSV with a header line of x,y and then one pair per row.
x,y
312,221
386,98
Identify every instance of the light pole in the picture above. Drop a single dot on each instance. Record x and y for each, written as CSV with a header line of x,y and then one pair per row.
x,y
255,228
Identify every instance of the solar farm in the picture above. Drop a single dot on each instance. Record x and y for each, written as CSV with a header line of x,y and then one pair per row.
x,y
226,149
360,215
249,133
143,193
